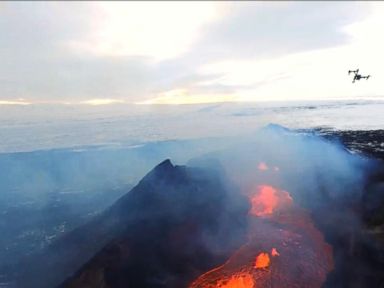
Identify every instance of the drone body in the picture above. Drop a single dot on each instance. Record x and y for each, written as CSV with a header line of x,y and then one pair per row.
x,y
357,76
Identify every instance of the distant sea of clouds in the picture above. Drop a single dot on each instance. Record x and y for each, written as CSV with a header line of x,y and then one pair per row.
x,y
49,126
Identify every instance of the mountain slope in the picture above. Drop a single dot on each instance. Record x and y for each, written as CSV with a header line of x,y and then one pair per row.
x,y
170,227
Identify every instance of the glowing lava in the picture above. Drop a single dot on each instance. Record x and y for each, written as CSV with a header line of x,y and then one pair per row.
x,y
297,256
262,260
244,280
267,199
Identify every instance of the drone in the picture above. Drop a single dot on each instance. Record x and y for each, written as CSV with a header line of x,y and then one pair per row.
x,y
357,75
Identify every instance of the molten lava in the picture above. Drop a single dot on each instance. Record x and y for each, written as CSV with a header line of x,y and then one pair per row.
x,y
267,199
244,280
299,255
262,260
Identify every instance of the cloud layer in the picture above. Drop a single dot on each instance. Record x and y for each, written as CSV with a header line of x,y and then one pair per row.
x,y
138,52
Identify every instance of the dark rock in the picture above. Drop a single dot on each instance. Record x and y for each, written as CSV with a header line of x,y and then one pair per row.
x,y
172,226
176,226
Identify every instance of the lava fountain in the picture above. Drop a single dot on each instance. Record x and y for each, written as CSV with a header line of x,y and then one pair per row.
x,y
266,199
262,260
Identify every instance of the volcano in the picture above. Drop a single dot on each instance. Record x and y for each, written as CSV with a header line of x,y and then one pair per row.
x,y
177,223
255,217
183,230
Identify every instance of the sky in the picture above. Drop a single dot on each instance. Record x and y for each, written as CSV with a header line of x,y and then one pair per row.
x,y
99,53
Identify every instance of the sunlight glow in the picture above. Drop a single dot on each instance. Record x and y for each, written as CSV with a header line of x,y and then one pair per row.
x,y
156,29
103,101
182,96
14,102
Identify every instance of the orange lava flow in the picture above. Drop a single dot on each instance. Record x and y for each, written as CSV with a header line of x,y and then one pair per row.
x,y
244,280
267,199
274,254
262,260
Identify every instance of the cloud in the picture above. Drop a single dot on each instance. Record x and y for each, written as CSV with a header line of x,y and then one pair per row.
x,y
270,29
138,52
161,30
74,51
